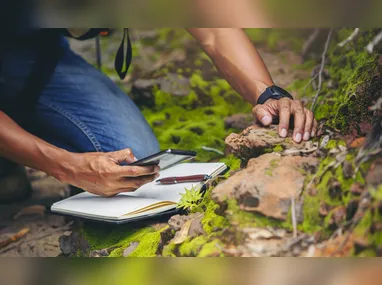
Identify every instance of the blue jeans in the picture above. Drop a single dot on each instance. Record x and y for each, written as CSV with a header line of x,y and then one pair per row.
x,y
80,109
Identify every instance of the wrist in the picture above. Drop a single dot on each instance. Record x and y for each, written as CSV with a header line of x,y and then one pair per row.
x,y
59,163
261,87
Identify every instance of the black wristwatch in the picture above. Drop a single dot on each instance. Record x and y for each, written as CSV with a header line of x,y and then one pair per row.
x,y
273,92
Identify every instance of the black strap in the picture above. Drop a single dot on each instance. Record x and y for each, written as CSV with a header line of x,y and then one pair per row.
x,y
122,58
273,92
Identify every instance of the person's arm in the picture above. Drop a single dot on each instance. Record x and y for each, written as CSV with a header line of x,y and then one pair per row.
x,y
238,61
98,173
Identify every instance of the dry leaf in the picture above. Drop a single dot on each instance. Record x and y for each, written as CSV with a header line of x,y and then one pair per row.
x,y
183,233
31,210
357,143
14,238
325,141
181,236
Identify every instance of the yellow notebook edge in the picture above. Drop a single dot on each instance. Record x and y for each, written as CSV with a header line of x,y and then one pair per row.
x,y
150,207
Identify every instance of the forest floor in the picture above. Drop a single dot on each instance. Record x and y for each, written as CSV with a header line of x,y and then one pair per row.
x,y
280,199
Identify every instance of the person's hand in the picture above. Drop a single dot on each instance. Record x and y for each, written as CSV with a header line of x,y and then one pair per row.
x,y
102,174
305,125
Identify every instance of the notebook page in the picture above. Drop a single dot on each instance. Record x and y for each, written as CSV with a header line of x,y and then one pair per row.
x,y
172,192
90,205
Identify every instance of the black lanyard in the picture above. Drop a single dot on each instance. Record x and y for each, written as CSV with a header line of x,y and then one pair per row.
x,y
122,58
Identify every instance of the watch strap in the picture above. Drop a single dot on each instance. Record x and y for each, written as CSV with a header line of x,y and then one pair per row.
x,y
273,92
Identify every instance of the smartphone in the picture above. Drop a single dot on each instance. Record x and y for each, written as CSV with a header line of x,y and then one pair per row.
x,y
166,158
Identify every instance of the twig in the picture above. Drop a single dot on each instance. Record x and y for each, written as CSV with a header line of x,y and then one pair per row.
x,y
309,83
313,36
294,220
63,228
350,38
206,148
14,238
322,68
374,42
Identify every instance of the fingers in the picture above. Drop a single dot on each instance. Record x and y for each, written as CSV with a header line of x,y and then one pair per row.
x,y
262,115
125,184
299,120
308,129
136,171
125,155
314,129
135,183
284,114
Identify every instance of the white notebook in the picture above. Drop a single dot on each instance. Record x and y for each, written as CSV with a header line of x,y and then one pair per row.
x,y
148,200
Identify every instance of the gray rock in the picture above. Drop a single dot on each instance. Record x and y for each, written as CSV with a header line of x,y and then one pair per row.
x,y
175,84
239,121
130,248
73,243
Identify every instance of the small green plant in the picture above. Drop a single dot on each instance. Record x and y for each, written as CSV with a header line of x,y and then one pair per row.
x,y
190,199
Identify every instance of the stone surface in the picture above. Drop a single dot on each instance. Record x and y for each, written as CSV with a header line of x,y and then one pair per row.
x,y
72,243
128,250
175,84
176,223
256,140
264,242
267,185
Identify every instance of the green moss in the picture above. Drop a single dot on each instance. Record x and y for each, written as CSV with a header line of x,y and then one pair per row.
x,y
278,148
192,246
367,253
312,221
200,246
364,225
331,144
202,111
212,248
376,193
272,165
101,237
169,250
211,221
352,69
325,177
243,219
232,162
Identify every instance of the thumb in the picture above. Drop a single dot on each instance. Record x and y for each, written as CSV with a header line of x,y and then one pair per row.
x,y
262,115
124,155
